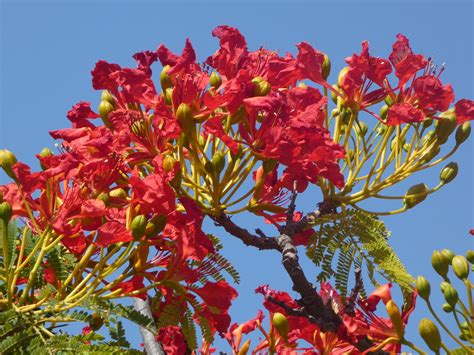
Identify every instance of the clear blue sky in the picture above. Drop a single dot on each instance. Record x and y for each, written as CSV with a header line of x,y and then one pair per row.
x,y
49,47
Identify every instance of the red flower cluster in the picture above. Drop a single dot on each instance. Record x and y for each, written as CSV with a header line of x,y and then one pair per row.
x,y
415,97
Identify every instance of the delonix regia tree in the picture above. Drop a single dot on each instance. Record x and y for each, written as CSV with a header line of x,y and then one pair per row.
x,y
118,210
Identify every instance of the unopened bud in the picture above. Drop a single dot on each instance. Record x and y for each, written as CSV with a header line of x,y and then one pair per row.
x,y
430,334
388,100
105,108
415,195
470,256
155,225
262,87
463,132
281,324
341,75
440,263
215,80
334,95
6,212
448,173
185,118
218,161
445,126
449,292
423,287
383,112
326,67
245,348
460,267
107,96
165,79
168,163
138,226
168,95
447,307
448,254
395,317
118,193
361,128
427,123
7,160
431,154
45,152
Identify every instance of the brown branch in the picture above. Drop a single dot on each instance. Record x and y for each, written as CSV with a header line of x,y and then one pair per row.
x,y
262,242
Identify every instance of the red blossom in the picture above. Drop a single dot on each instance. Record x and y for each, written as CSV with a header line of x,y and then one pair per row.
x,y
172,340
403,113
405,62
464,110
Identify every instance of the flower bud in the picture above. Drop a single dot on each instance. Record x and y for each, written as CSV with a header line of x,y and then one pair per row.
x,y
281,324
415,195
361,128
448,173
45,152
440,263
463,132
168,163
383,112
118,193
445,126
341,75
185,118
448,254
381,129
470,256
449,292
447,307
430,334
245,348
428,138
334,96
395,317
215,80
326,67
165,79
433,152
6,212
138,226
104,198
7,160
107,96
155,225
389,100
209,167
218,160
105,108
423,287
262,87
427,123
460,267
168,95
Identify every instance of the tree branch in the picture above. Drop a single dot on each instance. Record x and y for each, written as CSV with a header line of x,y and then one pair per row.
x,y
152,347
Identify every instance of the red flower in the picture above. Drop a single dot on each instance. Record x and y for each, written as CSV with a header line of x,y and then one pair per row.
x,y
405,62
134,284
464,110
172,340
432,94
403,113
80,114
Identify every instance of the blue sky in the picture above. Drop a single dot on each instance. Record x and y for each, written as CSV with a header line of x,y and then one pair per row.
x,y
48,49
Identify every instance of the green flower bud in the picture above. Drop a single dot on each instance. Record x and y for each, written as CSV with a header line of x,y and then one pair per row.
x,y
463,132
165,79
447,307
215,80
169,163
6,212
428,138
381,129
105,108
209,167
7,160
155,225
448,173
445,126
107,96
45,152
262,87
168,95
423,287
415,195
427,123
440,263
448,254
383,112
326,68
430,334
431,154
138,226
449,292
396,318
104,198
218,160
341,75
388,100
185,118
361,128
281,324
460,267
118,193
470,256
